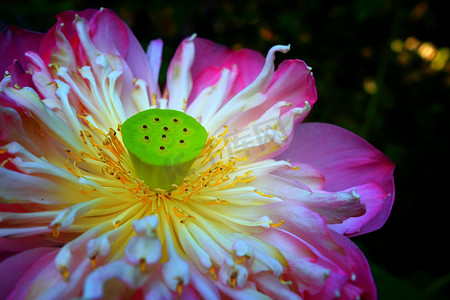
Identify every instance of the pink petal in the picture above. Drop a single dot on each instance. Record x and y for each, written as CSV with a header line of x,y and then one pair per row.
x,y
272,286
154,55
14,42
22,244
306,174
372,195
345,160
110,34
288,243
49,40
179,80
309,227
202,285
211,58
241,293
361,275
20,263
292,82
41,274
308,276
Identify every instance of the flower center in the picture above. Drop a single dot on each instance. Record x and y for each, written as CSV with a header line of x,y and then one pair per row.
x,y
163,144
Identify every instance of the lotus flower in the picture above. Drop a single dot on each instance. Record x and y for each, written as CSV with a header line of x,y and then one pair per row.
x,y
113,189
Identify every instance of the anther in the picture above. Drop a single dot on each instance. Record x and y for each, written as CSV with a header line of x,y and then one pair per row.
x,y
180,288
93,263
277,224
142,264
289,282
55,231
117,224
213,273
64,273
232,281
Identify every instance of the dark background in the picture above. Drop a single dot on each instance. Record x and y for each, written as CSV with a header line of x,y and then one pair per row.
x,y
382,71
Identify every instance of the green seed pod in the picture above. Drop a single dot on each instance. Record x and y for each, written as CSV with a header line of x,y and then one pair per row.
x,y
163,145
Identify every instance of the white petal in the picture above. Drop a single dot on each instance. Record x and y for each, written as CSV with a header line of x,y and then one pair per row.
x,y
132,276
154,53
249,97
179,80
175,271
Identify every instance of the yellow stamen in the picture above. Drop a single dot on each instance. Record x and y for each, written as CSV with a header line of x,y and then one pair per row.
x,y
73,155
82,153
93,263
83,137
178,213
153,99
64,273
239,261
269,196
55,230
225,131
232,281
277,224
241,159
218,201
87,192
218,151
70,169
142,265
213,273
186,199
285,282
2,165
179,288
117,224
295,168
187,218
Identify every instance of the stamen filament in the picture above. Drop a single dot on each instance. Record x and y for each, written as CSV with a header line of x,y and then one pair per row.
x,y
277,224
